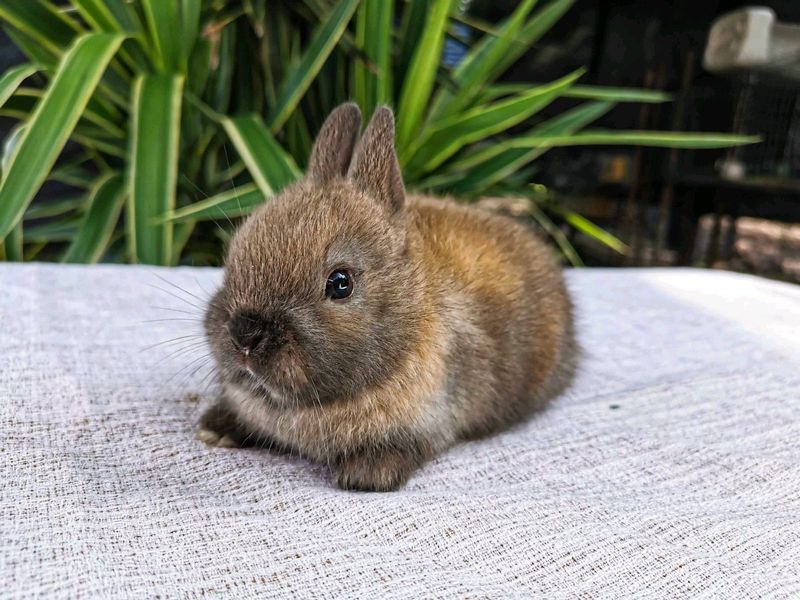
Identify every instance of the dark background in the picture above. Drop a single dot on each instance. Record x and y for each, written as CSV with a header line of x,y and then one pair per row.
x,y
659,44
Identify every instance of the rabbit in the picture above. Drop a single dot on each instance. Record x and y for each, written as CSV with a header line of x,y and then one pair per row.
x,y
369,330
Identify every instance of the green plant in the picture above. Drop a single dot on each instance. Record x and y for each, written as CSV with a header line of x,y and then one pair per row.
x,y
173,114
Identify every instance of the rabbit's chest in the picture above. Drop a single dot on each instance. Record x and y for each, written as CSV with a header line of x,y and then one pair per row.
x,y
327,431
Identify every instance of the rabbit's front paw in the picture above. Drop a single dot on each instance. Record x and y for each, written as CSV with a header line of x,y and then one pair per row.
x,y
219,428
377,470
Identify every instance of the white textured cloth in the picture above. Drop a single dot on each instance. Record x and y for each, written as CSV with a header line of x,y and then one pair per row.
x,y
670,469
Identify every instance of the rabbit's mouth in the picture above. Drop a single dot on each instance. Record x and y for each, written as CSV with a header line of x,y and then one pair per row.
x,y
281,381
264,389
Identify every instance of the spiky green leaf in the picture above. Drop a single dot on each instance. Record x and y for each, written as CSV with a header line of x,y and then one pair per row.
x,y
421,75
372,82
302,74
164,27
473,71
446,137
40,21
153,166
227,205
98,223
12,78
52,122
270,165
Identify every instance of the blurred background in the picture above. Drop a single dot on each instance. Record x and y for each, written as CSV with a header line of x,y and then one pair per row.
x,y
140,131
736,209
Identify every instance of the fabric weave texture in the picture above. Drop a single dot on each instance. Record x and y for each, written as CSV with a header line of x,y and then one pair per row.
x,y
671,468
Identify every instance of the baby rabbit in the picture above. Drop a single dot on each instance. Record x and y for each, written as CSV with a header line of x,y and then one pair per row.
x,y
370,330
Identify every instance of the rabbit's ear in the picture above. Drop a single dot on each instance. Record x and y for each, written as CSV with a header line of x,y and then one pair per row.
x,y
333,148
374,167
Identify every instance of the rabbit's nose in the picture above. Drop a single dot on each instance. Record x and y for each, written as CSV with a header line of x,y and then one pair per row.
x,y
246,330
251,331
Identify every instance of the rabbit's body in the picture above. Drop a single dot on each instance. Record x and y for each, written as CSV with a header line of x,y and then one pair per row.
x,y
458,323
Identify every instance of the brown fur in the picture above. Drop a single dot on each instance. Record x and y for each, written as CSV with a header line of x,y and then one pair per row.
x,y
459,324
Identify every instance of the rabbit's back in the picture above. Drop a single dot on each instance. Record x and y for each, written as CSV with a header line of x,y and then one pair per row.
x,y
505,306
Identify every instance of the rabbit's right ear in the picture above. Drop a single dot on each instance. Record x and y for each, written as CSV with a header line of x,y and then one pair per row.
x,y
333,148
375,168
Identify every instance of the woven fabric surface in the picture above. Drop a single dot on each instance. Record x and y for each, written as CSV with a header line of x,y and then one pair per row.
x,y
671,468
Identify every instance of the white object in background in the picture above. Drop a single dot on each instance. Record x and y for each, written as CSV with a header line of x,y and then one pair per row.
x,y
752,38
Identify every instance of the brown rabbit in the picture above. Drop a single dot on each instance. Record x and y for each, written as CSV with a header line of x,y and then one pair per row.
x,y
370,330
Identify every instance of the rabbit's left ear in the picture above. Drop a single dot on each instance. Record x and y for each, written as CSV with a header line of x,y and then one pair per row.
x,y
333,148
374,167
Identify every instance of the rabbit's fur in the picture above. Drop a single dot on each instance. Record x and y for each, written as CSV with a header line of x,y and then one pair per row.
x,y
459,324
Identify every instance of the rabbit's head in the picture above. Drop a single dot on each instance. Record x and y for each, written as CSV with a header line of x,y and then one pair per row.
x,y
322,295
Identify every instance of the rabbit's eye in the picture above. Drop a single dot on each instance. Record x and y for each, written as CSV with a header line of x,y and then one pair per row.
x,y
339,284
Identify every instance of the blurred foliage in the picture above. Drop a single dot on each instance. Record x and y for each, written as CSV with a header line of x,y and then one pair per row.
x,y
170,118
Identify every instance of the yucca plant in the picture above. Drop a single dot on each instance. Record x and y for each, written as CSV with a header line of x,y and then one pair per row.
x,y
173,117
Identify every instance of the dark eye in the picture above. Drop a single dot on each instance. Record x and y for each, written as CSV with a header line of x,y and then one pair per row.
x,y
339,284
